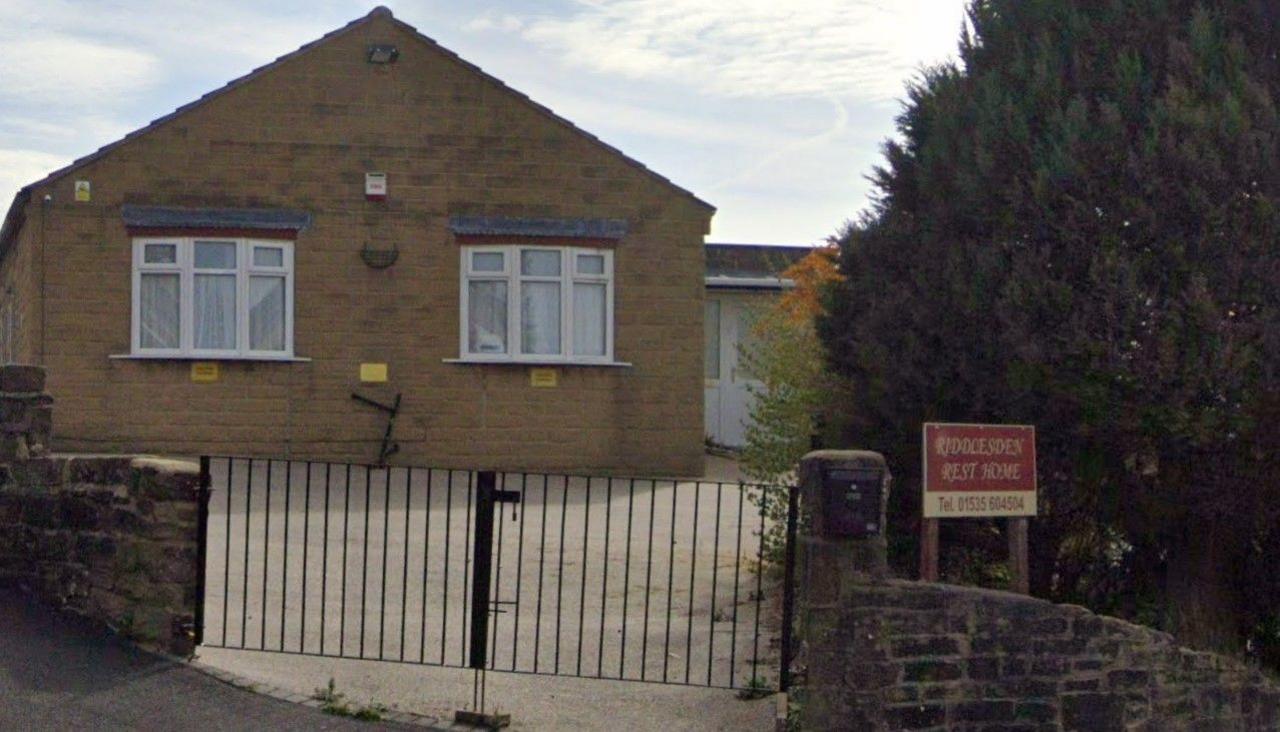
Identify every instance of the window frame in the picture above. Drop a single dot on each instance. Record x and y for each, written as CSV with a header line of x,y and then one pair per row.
x,y
184,267
512,275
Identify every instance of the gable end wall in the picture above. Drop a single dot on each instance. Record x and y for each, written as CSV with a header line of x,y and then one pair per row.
x,y
301,136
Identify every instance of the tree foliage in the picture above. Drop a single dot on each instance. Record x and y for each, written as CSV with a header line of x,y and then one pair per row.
x,y
1078,228
785,358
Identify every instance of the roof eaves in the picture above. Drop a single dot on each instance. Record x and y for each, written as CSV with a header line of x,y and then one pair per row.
x,y
14,220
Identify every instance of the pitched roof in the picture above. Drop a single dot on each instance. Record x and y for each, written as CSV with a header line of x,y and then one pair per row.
x,y
751,261
13,222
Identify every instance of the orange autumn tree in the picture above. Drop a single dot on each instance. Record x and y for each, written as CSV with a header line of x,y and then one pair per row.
x,y
786,358
803,303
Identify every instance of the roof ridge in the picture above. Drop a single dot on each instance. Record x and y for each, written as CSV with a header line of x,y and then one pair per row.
x,y
378,11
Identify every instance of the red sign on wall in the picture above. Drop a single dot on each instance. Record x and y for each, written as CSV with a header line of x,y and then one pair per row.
x,y
979,470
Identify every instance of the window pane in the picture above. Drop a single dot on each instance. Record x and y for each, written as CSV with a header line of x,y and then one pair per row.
x,y
748,344
158,319
487,317
540,317
589,313
592,264
486,262
160,254
711,326
215,255
538,262
268,257
266,313
215,311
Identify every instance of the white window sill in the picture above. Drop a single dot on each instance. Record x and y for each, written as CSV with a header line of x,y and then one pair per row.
x,y
534,362
204,357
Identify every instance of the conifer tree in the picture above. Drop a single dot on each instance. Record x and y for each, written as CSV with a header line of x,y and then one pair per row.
x,y
1079,228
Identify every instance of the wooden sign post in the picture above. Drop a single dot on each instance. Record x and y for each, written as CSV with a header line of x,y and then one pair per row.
x,y
977,470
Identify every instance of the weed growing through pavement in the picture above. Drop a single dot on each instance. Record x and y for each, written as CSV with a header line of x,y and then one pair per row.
x,y
332,702
756,688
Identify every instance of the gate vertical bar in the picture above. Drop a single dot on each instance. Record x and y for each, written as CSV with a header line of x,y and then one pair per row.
x,y
202,548
788,588
482,551
226,556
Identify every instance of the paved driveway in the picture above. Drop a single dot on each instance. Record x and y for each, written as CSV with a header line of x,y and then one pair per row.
x,y
58,672
645,580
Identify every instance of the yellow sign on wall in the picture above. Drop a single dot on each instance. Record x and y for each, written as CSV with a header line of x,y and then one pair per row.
x,y
82,190
543,378
373,373
204,372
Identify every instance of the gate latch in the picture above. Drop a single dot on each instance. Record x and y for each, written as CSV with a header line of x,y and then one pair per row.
x,y
512,497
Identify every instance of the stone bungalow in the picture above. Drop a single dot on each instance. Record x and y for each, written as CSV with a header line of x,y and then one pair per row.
x,y
369,215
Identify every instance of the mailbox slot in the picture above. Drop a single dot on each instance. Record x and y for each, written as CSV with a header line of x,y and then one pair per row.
x,y
851,500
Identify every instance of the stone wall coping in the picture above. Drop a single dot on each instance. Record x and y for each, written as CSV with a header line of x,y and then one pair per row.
x,y
165,465
965,593
155,462
846,455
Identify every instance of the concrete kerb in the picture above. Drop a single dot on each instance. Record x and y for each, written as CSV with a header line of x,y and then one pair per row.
x,y
240,682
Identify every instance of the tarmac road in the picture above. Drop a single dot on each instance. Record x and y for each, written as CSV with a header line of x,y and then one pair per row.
x,y
59,672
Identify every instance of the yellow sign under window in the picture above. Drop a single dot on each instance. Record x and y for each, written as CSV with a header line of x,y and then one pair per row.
x,y
544,378
204,372
373,373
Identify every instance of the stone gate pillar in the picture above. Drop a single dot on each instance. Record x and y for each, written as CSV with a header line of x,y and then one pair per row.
x,y
844,497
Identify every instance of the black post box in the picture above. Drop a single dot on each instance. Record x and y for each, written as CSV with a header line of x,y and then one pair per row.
x,y
851,498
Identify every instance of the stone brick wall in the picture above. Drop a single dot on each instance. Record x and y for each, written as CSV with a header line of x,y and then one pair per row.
x,y
452,141
112,538
895,654
885,654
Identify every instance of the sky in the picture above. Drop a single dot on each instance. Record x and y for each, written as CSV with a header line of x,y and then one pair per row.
x,y
774,111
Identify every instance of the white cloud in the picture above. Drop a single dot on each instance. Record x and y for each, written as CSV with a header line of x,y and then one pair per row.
x,y
20,167
61,69
862,49
778,164
187,33
491,21
609,118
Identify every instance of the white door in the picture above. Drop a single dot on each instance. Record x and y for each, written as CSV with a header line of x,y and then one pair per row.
x,y
728,384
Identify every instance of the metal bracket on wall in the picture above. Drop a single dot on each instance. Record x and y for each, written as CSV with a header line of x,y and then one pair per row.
x,y
388,448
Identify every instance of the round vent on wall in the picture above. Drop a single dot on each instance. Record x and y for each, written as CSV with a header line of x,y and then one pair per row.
x,y
379,258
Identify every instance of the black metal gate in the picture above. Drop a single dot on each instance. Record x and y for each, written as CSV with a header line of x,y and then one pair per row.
x,y
600,577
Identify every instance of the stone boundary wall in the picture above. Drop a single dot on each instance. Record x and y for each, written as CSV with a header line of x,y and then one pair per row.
x,y
908,655
114,538
887,654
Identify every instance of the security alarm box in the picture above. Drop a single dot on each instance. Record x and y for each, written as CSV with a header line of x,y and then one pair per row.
x,y
851,499
375,186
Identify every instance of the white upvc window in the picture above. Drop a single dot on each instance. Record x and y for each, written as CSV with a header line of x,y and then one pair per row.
x,y
212,297
536,304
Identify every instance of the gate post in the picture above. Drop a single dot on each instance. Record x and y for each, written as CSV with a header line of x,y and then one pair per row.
x,y
789,589
844,497
202,547
482,555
